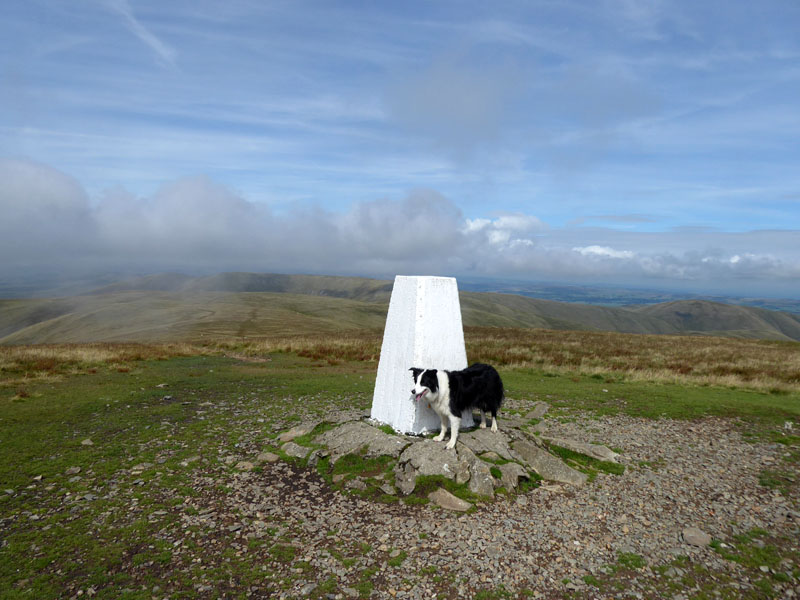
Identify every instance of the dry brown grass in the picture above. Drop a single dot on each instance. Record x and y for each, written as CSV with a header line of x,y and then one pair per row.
x,y
358,345
700,360
20,364
703,360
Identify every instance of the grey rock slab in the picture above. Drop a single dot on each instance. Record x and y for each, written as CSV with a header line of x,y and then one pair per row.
x,y
405,478
512,473
298,430
539,410
508,421
481,481
313,458
429,457
307,589
481,441
344,416
593,450
350,437
548,466
446,500
190,460
695,537
466,458
540,427
269,457
295,450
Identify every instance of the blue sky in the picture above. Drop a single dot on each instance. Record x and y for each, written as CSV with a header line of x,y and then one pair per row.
x,y
619,141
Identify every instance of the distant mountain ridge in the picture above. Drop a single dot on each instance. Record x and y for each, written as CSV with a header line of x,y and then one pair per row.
x,y
179,307
623,297
354,288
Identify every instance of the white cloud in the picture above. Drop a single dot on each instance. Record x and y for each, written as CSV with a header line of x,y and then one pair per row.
x,y
198,224
473,225
505,229
603,251
45,214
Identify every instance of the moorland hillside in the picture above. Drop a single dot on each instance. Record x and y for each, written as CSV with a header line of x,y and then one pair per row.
x,y
241,305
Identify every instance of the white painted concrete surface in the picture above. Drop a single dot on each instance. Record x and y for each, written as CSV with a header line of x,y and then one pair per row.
x,y
423,329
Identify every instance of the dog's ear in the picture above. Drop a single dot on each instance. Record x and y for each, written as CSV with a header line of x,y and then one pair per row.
x,y
416,372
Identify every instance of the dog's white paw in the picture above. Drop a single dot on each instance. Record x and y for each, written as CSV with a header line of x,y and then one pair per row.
x,y
483,425
494,426
450,445
438,438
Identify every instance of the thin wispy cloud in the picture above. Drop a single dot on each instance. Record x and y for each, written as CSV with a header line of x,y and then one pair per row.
x,y
163,52
619,219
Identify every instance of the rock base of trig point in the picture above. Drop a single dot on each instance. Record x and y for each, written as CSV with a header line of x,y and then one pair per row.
x,y
424,330
482,461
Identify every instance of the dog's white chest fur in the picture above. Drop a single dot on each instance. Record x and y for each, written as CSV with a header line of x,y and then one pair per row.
x,y
441,403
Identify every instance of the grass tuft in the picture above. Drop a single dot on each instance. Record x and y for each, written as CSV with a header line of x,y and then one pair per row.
x,y
586,463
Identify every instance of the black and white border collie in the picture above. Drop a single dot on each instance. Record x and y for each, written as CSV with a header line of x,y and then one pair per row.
x,y
450,393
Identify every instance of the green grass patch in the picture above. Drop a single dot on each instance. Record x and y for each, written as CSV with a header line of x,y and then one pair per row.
x,y
308,438
387,429
592,581
283,552
778,479
396,561
498,593
751,550
160,412
356,464
630,560
533,481
587,464
494,461
652,400
364,586
415,500
425,484
327,587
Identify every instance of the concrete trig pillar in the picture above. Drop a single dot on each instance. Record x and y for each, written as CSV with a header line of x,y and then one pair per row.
x,y
423,329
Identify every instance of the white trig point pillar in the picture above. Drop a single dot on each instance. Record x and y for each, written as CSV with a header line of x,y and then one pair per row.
x,y
423,329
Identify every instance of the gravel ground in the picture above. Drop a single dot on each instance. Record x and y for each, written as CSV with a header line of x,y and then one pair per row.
x,y
551,542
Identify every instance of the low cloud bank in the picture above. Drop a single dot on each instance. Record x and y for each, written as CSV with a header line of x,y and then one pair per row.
x,y
50,223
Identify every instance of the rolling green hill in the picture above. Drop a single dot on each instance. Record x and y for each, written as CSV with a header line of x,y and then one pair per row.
x,y
167,316
236,305
714,318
